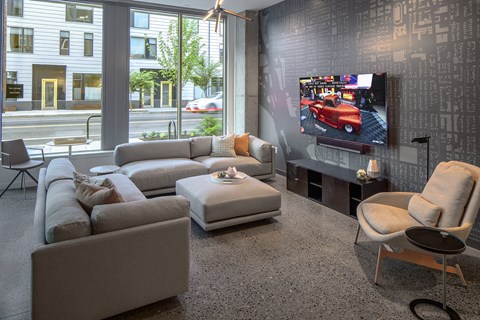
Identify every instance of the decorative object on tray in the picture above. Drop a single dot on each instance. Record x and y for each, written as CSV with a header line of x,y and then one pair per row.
x,y
372,169
224,178
362,175
231,172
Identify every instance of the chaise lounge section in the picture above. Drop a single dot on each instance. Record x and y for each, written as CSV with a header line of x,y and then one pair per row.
x,y
155,166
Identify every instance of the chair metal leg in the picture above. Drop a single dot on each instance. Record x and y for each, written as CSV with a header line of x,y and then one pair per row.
x,y
32,177
23,183
356,236
11,182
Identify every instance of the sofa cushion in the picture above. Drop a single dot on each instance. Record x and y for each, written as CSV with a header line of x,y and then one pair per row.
x,y
241,145
424,211
223,146
161,173
106,218
248,165
125,187
65,218
449,187
59,169
151,150
90,195
387,219
260,149
200,146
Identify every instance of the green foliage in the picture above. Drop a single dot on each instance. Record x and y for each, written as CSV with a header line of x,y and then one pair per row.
x,y
204,72
209,126
167,55
141,81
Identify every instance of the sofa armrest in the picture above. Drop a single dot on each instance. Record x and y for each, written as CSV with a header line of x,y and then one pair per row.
x,y
117,216
260,149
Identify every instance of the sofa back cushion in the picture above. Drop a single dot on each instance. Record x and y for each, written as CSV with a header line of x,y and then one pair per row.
x,y
65,218
449,188
200,146
259,149
59,169
150,150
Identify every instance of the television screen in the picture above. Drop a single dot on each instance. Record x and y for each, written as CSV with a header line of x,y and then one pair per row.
x,y
349,107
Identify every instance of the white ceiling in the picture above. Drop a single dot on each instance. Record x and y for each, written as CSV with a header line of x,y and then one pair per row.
x,y
234,5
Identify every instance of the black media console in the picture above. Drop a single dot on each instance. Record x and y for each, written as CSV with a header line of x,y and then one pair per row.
x,y
335,187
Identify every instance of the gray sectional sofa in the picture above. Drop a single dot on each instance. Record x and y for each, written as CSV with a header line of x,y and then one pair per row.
x,y
155,166
125,255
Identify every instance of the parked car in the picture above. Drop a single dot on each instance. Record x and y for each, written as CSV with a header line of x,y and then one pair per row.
x,y
333,112
211,103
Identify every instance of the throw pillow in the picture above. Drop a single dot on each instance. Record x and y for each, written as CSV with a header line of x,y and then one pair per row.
x,y
241,144
223,146
424,211
89,195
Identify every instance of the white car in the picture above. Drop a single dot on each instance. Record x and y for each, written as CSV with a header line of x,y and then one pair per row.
x,y
213,102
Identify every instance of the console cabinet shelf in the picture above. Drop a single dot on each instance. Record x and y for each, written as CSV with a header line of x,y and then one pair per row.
x,y
335,187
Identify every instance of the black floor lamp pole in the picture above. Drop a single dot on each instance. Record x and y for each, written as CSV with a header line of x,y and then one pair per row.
x,y
427,141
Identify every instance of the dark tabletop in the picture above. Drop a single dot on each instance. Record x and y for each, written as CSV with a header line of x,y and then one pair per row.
x,y
435,240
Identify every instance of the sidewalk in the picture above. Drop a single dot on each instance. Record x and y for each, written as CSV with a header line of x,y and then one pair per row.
x,y
53,113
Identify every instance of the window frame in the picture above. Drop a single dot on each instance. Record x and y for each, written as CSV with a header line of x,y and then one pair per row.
x,y
74,6
146,48
10,8
85,44
61,43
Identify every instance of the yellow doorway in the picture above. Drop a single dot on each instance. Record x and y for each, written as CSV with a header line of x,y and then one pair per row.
x,y
49,93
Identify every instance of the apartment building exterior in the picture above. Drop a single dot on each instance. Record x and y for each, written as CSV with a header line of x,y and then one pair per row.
x,y
55,52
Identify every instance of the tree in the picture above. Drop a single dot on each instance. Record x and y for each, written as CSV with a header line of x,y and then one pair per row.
x,y
204,72
168,51
141,81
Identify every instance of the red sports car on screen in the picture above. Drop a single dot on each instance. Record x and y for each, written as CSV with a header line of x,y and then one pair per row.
x,y
333,112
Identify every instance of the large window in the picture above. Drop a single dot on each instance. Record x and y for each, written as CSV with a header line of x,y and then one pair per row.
x,y
20,39
192,104
144,48
139,20
15,8
79,13
88,44
64,43
57,88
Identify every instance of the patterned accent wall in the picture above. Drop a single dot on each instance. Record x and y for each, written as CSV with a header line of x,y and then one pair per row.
x,y
429,49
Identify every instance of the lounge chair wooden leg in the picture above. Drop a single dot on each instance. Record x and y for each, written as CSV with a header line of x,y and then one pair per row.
x,y
460,275
356,236
379,264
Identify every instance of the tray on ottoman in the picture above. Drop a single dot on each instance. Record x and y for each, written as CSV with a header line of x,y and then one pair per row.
x,y
214,205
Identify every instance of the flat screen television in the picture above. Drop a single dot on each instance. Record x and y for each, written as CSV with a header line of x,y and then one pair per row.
x,y
348,108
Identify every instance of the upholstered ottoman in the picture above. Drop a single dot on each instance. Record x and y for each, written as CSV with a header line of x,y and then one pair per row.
x,y
214,205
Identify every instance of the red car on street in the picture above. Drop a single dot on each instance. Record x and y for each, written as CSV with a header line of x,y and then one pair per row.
x,y
333,112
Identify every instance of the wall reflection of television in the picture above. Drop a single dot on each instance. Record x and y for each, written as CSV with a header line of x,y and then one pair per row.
x,y
350,108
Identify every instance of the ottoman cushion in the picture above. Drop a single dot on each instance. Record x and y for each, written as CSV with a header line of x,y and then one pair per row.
x,y
214,202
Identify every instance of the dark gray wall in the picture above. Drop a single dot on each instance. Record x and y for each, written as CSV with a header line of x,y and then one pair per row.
x,y
429,50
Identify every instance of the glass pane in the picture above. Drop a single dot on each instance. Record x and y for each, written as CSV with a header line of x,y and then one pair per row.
x,y
140,20
88,45
70,12
153,107
137,47
84,14
58,95
15,8
202,94
64,42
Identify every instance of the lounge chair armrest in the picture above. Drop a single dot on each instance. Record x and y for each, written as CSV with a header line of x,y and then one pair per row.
x,y
394,199
7,156
39,149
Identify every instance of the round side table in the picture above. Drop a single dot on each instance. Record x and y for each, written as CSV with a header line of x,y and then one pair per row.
x,y
441,242
104,169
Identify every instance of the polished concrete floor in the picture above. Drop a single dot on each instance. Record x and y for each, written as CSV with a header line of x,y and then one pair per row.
x,y
300,265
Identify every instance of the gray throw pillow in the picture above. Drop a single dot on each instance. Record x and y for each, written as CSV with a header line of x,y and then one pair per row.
x,y
223,146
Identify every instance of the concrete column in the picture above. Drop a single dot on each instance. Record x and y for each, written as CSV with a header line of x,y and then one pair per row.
x,y
246,74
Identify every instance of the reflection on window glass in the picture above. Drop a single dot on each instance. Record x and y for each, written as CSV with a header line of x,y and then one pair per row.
x,y
139,20
64,43
88,45
137,47
15,8
20,39
78,13
58,83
